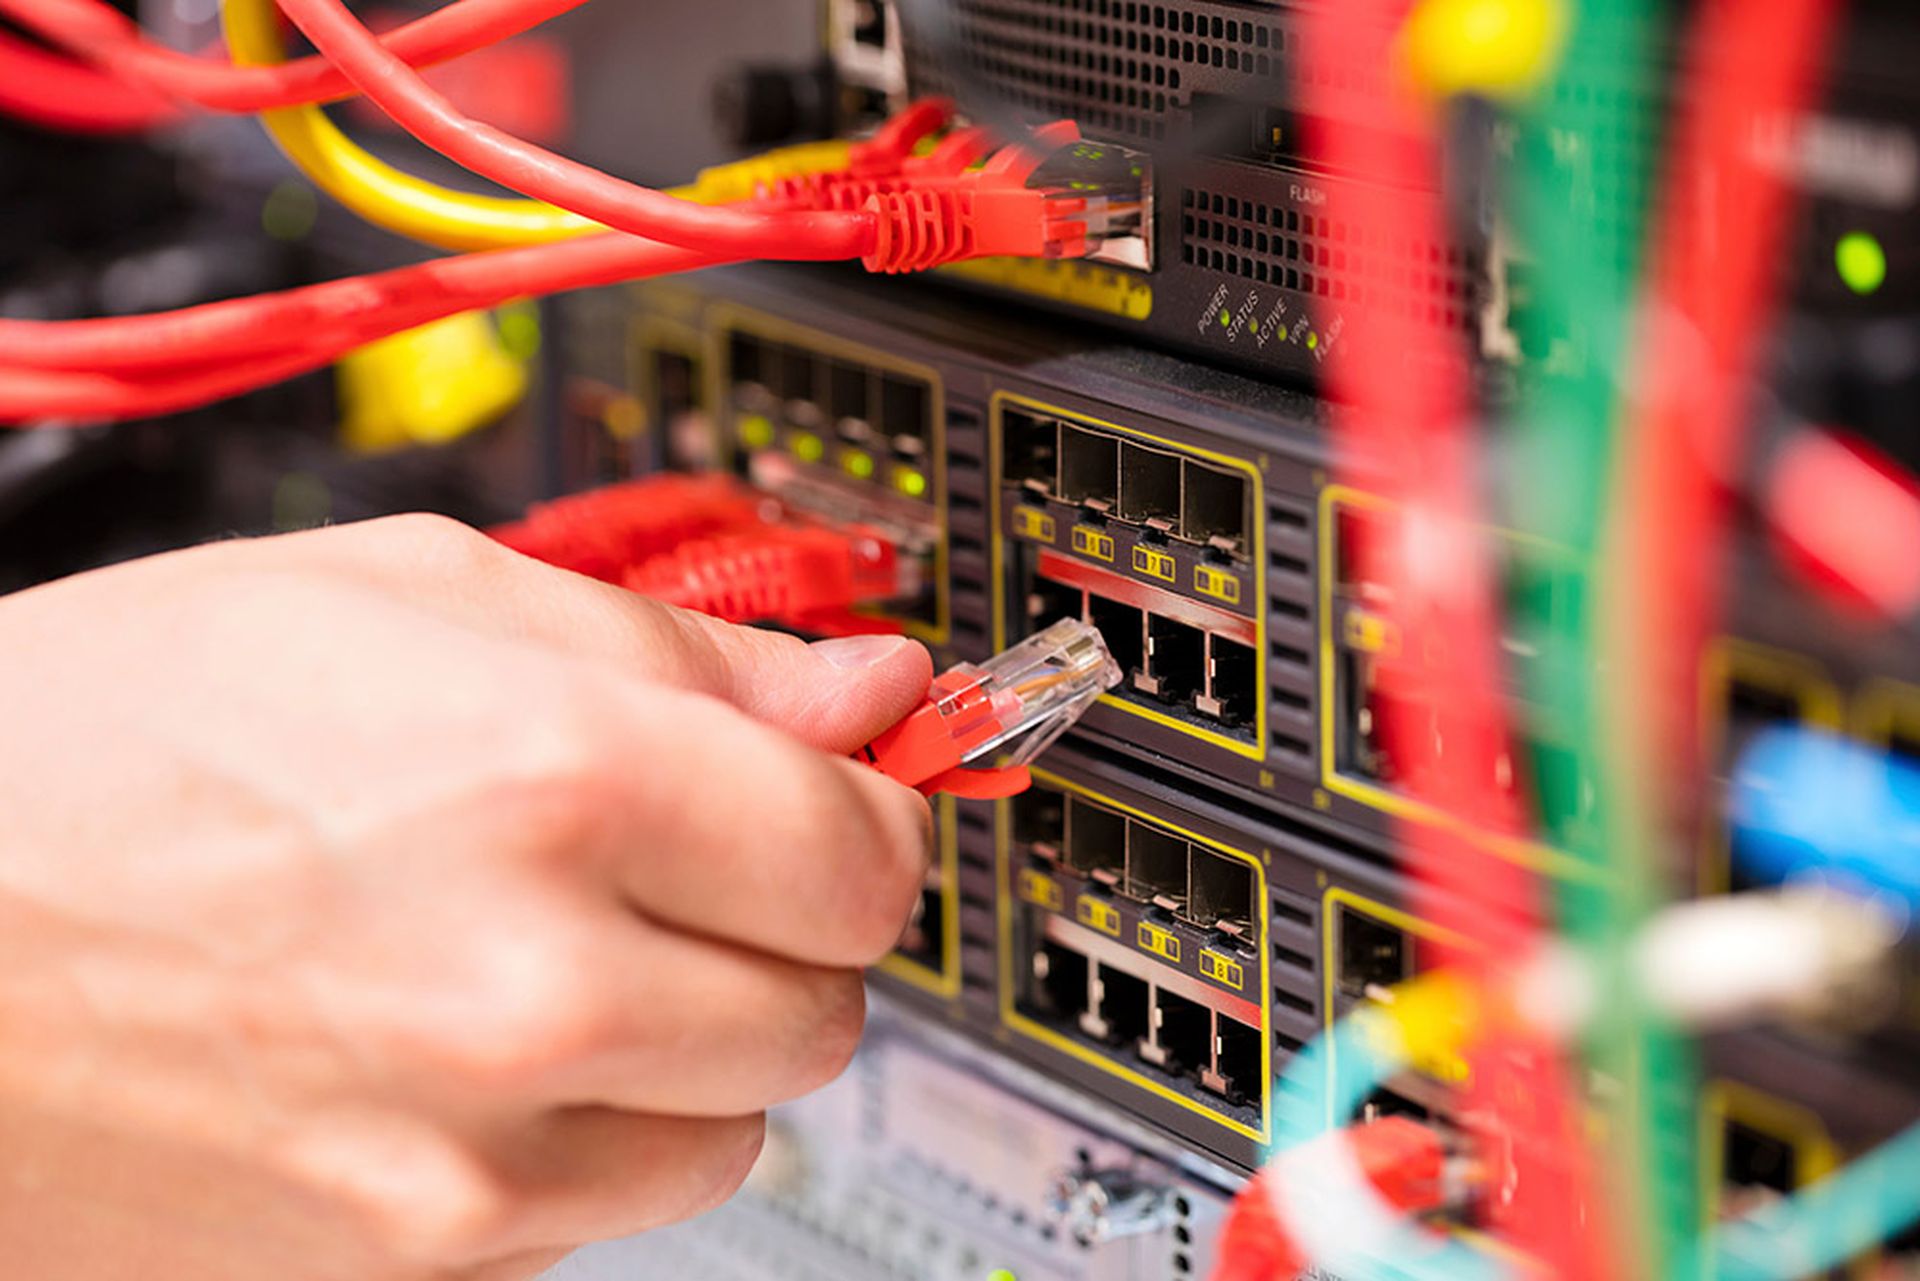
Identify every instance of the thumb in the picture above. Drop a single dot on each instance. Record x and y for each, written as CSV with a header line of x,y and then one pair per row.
x,y
833,694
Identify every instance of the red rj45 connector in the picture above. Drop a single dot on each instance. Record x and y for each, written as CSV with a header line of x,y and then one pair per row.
x,y
788,574
1026,697
603,533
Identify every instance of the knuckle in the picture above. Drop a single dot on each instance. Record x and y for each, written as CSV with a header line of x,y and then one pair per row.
x,y
834,1033
540,1014
732,1159
437,542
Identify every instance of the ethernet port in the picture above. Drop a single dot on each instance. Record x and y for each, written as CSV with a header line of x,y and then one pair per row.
x,y
1123,1013
1156,867
1213,508
796,384
1222,895
748,360
1096,840
924,937
1754,1161
1060,981
1048,602
1372,954
1236,1060
1182,1038
1233,691
1751,708
1089,467
1040,822
1031,449
905,414
685,431
1176,660
848,403
1149,486
1123,628
870,20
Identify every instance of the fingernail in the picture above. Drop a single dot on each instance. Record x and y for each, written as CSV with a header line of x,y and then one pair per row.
x,y
859,651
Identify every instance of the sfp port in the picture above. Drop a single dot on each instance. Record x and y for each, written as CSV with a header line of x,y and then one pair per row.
x,y
1221,894
1214,507
1096,841
1089,468
1032,449
1156,867
1372,954
1040,822
1149,486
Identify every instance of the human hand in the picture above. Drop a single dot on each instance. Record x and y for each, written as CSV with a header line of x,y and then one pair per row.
x,y
376,903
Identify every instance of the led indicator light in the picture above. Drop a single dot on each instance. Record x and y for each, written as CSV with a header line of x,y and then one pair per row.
x,y
1226,318
756,431
857,464
1861,262
808,447
910,482
1001,1274
1313,341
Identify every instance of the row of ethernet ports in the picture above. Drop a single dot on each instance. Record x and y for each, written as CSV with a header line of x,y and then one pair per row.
x,y
1137,860
859,404
1166,661
1139,1016
1175,495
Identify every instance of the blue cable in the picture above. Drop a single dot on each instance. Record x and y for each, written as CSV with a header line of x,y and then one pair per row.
x,y
1805,802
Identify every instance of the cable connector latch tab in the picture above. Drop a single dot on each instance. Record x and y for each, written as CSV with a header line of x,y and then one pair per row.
x,y
1019,701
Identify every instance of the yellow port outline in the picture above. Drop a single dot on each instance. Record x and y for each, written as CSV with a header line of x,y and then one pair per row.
x,y
1529,854
945,982
726,318
1015,1021
1256,750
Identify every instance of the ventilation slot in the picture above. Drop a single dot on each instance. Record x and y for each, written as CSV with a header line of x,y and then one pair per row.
x,y
1313,255
1296,988
978,965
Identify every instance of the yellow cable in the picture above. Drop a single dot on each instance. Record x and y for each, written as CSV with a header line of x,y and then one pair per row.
x,y
442,216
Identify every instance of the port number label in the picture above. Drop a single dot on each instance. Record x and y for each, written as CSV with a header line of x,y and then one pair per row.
x,y
1031,522
1222,970
1158,941
1037,887
1217,583
1098,914
1157,564
1092,542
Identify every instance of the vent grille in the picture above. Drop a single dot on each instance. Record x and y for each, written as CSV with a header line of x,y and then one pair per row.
x,y
1295,971
978,958
1312,254
1290,637
1114,65
967,529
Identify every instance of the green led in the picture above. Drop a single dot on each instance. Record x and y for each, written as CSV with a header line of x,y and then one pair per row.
x,y
519,327
910,482
1002,1274
756,431
857,464
290,210
1313,341
1253,326
807,447
1861,262
1226,318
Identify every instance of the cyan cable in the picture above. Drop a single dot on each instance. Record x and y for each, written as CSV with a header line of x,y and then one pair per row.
x,y
1821,1226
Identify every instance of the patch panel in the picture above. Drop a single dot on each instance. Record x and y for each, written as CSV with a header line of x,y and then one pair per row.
x,y
1135,945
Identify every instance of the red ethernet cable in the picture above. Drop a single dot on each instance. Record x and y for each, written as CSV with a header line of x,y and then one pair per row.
x,y
782,573
608,532
368,307
1757,63
59,93
100,34
1400,399
398,90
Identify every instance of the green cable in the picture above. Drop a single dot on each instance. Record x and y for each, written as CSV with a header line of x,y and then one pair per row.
x,y
1580,202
